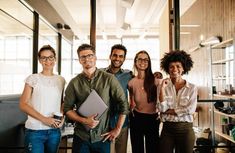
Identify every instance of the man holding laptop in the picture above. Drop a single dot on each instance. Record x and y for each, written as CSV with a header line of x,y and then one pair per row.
x,y
97,138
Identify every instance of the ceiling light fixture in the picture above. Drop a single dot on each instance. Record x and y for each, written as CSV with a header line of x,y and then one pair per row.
x,y
61,26
67,27
201,37
189,25
185,33
211,41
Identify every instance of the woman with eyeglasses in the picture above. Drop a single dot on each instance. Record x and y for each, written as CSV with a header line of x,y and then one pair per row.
x,y
144,122
41,98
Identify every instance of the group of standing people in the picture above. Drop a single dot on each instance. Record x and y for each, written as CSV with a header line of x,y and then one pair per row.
x,y
151,100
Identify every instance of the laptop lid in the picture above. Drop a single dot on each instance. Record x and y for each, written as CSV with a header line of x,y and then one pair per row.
x,y
92,105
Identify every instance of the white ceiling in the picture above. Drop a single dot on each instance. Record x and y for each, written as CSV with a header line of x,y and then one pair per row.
x,y
115,17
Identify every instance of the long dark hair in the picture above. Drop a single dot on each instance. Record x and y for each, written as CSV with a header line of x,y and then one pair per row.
x,y
149,85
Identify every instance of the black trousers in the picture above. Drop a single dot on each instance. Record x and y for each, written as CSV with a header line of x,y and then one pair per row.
x,y
177,135
144,126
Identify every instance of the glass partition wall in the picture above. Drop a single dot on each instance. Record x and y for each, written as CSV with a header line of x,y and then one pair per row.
x,y
47,36
15,46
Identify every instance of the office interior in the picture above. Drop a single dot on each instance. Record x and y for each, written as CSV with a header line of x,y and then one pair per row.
x,y
203,28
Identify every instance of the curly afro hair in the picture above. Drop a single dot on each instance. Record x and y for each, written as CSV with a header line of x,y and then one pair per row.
x,y
177,56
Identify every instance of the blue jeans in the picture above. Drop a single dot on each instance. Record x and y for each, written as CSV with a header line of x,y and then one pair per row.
x,y
42,141
81,146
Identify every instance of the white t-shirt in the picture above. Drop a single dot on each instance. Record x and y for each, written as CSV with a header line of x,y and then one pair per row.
x,y
45,98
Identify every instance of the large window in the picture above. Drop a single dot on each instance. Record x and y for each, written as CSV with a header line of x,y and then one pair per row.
x,y
15,46
103,49
136,45
66,63
229,54
47,36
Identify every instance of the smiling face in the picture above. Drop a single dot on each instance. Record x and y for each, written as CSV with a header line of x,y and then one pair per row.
x,y
142,62
87,59
117,58
47,59
175,69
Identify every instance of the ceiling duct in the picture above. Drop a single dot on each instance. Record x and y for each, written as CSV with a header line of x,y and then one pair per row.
x,y
127,3
126,26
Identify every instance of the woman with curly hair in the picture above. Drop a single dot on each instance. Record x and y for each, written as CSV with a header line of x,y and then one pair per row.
x,y
177,103
144,123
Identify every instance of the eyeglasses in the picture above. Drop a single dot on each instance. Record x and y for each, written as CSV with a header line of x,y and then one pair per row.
x,y
84,57
44,58
140,60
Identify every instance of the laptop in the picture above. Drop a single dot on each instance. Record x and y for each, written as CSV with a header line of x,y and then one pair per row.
x,y
92,105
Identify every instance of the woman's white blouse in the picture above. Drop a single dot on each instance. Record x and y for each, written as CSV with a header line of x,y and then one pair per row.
x,y
45,98
184,103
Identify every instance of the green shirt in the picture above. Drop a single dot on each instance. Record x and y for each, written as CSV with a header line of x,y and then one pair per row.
x,y
109,89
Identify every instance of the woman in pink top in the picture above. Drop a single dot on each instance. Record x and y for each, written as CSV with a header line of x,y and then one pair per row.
x,y
144,123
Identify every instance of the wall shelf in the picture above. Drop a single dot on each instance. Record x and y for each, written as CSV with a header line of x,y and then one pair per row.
x,y
225,136
221,78
221,67
212,116
224,114
223,61
222,58
223,44
224,96
221,114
